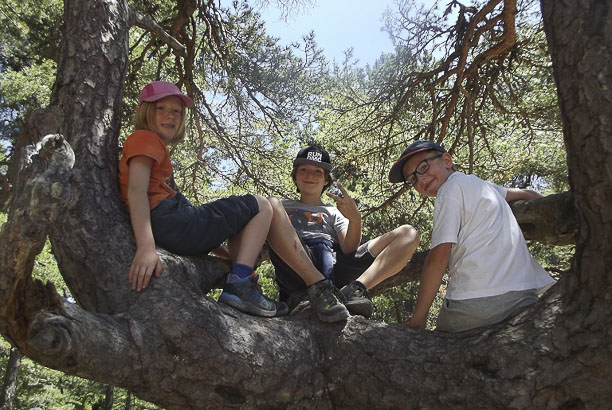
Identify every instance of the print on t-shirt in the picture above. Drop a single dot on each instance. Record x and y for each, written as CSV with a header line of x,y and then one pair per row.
x,y
305,220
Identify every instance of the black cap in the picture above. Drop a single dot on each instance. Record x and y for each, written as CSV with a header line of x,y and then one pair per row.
x,y
395,175
314,156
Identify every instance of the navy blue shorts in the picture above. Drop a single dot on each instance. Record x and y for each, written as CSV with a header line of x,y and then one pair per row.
x,y
184,229
347,268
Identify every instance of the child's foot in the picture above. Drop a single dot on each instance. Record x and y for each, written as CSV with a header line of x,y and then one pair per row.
x,y
356,299
325,303
282,309
245,295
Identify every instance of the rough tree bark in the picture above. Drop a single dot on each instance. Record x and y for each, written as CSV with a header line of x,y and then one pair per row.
x,y
174,346
9,383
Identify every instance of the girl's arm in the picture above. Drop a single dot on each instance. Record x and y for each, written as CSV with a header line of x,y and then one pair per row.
x,y
146,262
349,239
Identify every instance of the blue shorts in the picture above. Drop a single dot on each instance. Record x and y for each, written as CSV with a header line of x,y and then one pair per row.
x,y
184,229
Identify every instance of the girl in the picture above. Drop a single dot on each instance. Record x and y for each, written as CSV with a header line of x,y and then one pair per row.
x,y
162,216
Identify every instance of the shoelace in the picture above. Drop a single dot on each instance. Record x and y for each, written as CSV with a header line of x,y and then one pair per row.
x,y
327,294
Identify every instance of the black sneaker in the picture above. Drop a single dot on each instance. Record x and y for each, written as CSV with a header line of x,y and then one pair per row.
x,y
325,303
356,299
282,309
245,295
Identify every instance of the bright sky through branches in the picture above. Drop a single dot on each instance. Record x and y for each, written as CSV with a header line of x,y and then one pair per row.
x,y
338,26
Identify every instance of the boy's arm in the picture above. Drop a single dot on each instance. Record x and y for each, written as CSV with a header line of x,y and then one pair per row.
x,y
145,262
514,194
431,278
350,238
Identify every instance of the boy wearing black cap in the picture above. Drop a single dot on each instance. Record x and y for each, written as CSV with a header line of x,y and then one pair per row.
x,y
331,236
492,276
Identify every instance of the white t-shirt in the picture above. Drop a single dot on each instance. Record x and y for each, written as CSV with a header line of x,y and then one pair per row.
x,y
489,255
315,221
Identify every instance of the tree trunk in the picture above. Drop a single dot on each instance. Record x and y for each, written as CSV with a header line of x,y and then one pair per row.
x,y
9,384
174,346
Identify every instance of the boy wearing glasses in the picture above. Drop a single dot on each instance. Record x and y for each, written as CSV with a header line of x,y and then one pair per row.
x,y
492,275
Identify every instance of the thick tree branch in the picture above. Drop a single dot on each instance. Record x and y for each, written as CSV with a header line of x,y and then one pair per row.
x,y
148,24
551,220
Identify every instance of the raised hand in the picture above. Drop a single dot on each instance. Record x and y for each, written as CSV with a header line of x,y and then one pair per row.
x,y
346,205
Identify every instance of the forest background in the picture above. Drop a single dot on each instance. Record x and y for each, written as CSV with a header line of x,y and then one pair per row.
x,y
260,101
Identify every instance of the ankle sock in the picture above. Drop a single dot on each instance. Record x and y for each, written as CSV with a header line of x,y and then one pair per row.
x,y
242,271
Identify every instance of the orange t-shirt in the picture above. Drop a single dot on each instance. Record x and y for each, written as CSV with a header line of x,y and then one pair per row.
x,y
147,143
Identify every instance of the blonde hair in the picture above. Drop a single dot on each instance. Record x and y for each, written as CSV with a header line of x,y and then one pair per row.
x,y
145,118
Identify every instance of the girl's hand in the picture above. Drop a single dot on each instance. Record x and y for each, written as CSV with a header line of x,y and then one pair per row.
x,y
346,205
145,264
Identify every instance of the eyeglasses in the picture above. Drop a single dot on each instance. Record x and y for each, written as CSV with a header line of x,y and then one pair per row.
x,y
421,169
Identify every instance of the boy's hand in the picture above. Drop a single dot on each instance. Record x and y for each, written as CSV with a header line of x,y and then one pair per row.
x,y
346,205
418,324
145,264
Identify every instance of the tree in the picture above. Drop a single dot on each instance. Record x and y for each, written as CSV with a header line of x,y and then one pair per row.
x,y
178,348
9,384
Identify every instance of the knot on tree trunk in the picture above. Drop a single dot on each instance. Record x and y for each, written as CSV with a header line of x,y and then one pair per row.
x,y
50,335
43,181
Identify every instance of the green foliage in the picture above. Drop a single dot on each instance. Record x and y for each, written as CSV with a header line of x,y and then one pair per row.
x,y
18,89
31,32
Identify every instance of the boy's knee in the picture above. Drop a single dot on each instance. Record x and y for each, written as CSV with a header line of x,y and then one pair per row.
x,y
408,233
264,205
274,202
276,205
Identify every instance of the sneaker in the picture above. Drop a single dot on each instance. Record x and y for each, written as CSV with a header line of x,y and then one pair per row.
x,y
282,309
245,295
356,299
325,303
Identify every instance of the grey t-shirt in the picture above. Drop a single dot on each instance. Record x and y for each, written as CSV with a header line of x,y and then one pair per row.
x,y
315,221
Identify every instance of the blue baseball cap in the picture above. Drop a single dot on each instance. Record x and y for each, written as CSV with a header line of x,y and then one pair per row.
x,y
395,175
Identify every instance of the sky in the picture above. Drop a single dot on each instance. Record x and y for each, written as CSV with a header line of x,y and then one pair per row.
x,y
338,25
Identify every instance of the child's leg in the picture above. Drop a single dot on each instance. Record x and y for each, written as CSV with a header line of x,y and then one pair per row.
x,y
392,251
283,239
246,246
241,290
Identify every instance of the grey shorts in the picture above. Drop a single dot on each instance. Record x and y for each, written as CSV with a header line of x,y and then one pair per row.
x,y
347,268
460,315
185,229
